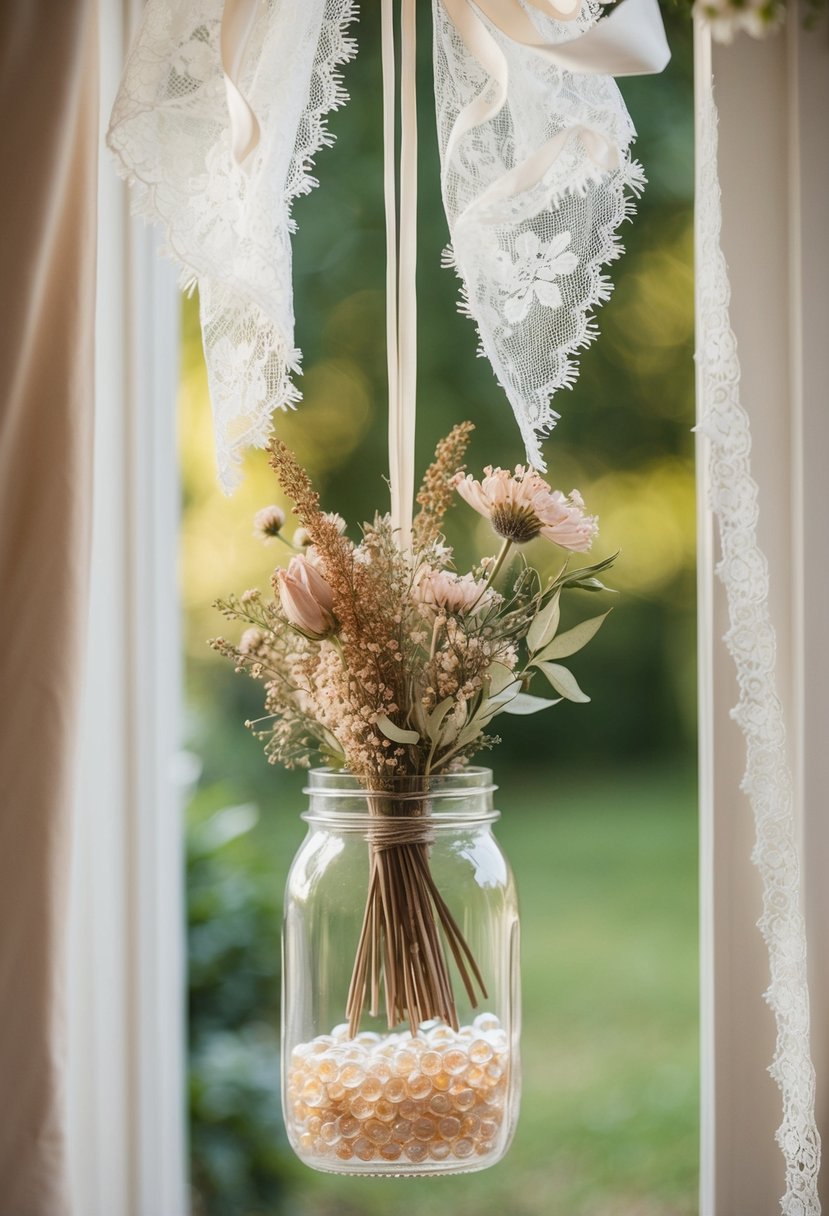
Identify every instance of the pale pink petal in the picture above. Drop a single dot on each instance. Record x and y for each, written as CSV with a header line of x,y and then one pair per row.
x,y
301,569
306,598
471,492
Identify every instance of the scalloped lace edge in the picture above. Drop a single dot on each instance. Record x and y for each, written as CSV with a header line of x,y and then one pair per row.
x,y
751,642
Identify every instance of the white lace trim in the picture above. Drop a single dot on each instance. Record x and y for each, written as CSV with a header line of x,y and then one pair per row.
x,y
227,227
532,316
752,644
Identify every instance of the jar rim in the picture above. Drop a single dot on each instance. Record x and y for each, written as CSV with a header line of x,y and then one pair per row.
x,y
329,789
339,783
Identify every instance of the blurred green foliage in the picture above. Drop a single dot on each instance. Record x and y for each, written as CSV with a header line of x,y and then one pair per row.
x,y
605,862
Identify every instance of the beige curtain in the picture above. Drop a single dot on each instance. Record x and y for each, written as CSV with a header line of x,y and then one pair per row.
x,y
48,151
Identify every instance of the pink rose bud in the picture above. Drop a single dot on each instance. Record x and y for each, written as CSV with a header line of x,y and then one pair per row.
x,y
307,599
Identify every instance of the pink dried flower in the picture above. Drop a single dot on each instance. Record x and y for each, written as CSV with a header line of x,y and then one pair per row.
x,y
451,592
307,599
521,506
269,522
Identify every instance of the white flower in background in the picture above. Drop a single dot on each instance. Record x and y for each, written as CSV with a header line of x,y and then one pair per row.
x,y
727,17
268,523
534,272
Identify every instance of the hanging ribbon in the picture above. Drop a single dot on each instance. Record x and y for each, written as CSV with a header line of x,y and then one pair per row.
x,y
238,18
401,265
630,41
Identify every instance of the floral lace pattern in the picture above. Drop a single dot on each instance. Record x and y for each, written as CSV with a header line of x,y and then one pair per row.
x,y
229,227
532,276
751,642
530,259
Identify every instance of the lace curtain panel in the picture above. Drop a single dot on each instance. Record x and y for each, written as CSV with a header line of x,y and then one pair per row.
x,y
726,448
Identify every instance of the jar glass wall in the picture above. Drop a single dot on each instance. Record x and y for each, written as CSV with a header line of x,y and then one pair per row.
x,y
359,1095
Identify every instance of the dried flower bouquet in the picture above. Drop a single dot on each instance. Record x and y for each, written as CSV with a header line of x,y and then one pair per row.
x,y
388,662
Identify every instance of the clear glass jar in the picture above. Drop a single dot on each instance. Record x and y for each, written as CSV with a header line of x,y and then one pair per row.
x,y
361,1092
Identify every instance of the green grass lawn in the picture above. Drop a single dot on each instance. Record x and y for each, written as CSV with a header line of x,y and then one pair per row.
x,y
606,870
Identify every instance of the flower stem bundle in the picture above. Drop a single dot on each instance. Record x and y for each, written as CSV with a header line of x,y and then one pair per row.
x,y
400,947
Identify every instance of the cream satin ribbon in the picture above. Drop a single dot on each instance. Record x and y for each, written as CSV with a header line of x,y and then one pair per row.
x,y
401,266
629,42
238,17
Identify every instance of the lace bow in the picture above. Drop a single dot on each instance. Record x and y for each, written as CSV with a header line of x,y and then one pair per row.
x,y
223,106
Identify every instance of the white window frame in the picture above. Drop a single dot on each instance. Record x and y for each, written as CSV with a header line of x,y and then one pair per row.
x,y
127,1085
127,1007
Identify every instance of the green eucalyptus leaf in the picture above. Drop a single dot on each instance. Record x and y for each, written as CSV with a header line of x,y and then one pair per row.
x,y
592,584
471,731
563,681
500,677
453,727
525,704
504,696
396,733
572,640
497,705
544,625
435,719
573,577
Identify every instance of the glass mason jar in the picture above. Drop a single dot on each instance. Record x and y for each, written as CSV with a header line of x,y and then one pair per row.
x,y
400,979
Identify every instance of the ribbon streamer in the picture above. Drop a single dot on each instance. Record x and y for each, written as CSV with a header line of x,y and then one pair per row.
x,y
401,266
630,41
238,18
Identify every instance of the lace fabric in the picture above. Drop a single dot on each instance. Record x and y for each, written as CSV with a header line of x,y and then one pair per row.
x,y
228,226
529,245
751,642
530,259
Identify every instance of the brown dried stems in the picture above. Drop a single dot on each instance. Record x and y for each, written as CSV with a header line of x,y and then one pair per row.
x,y
400,944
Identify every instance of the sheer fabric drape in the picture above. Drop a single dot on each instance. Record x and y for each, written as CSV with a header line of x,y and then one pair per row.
x,y
48,146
